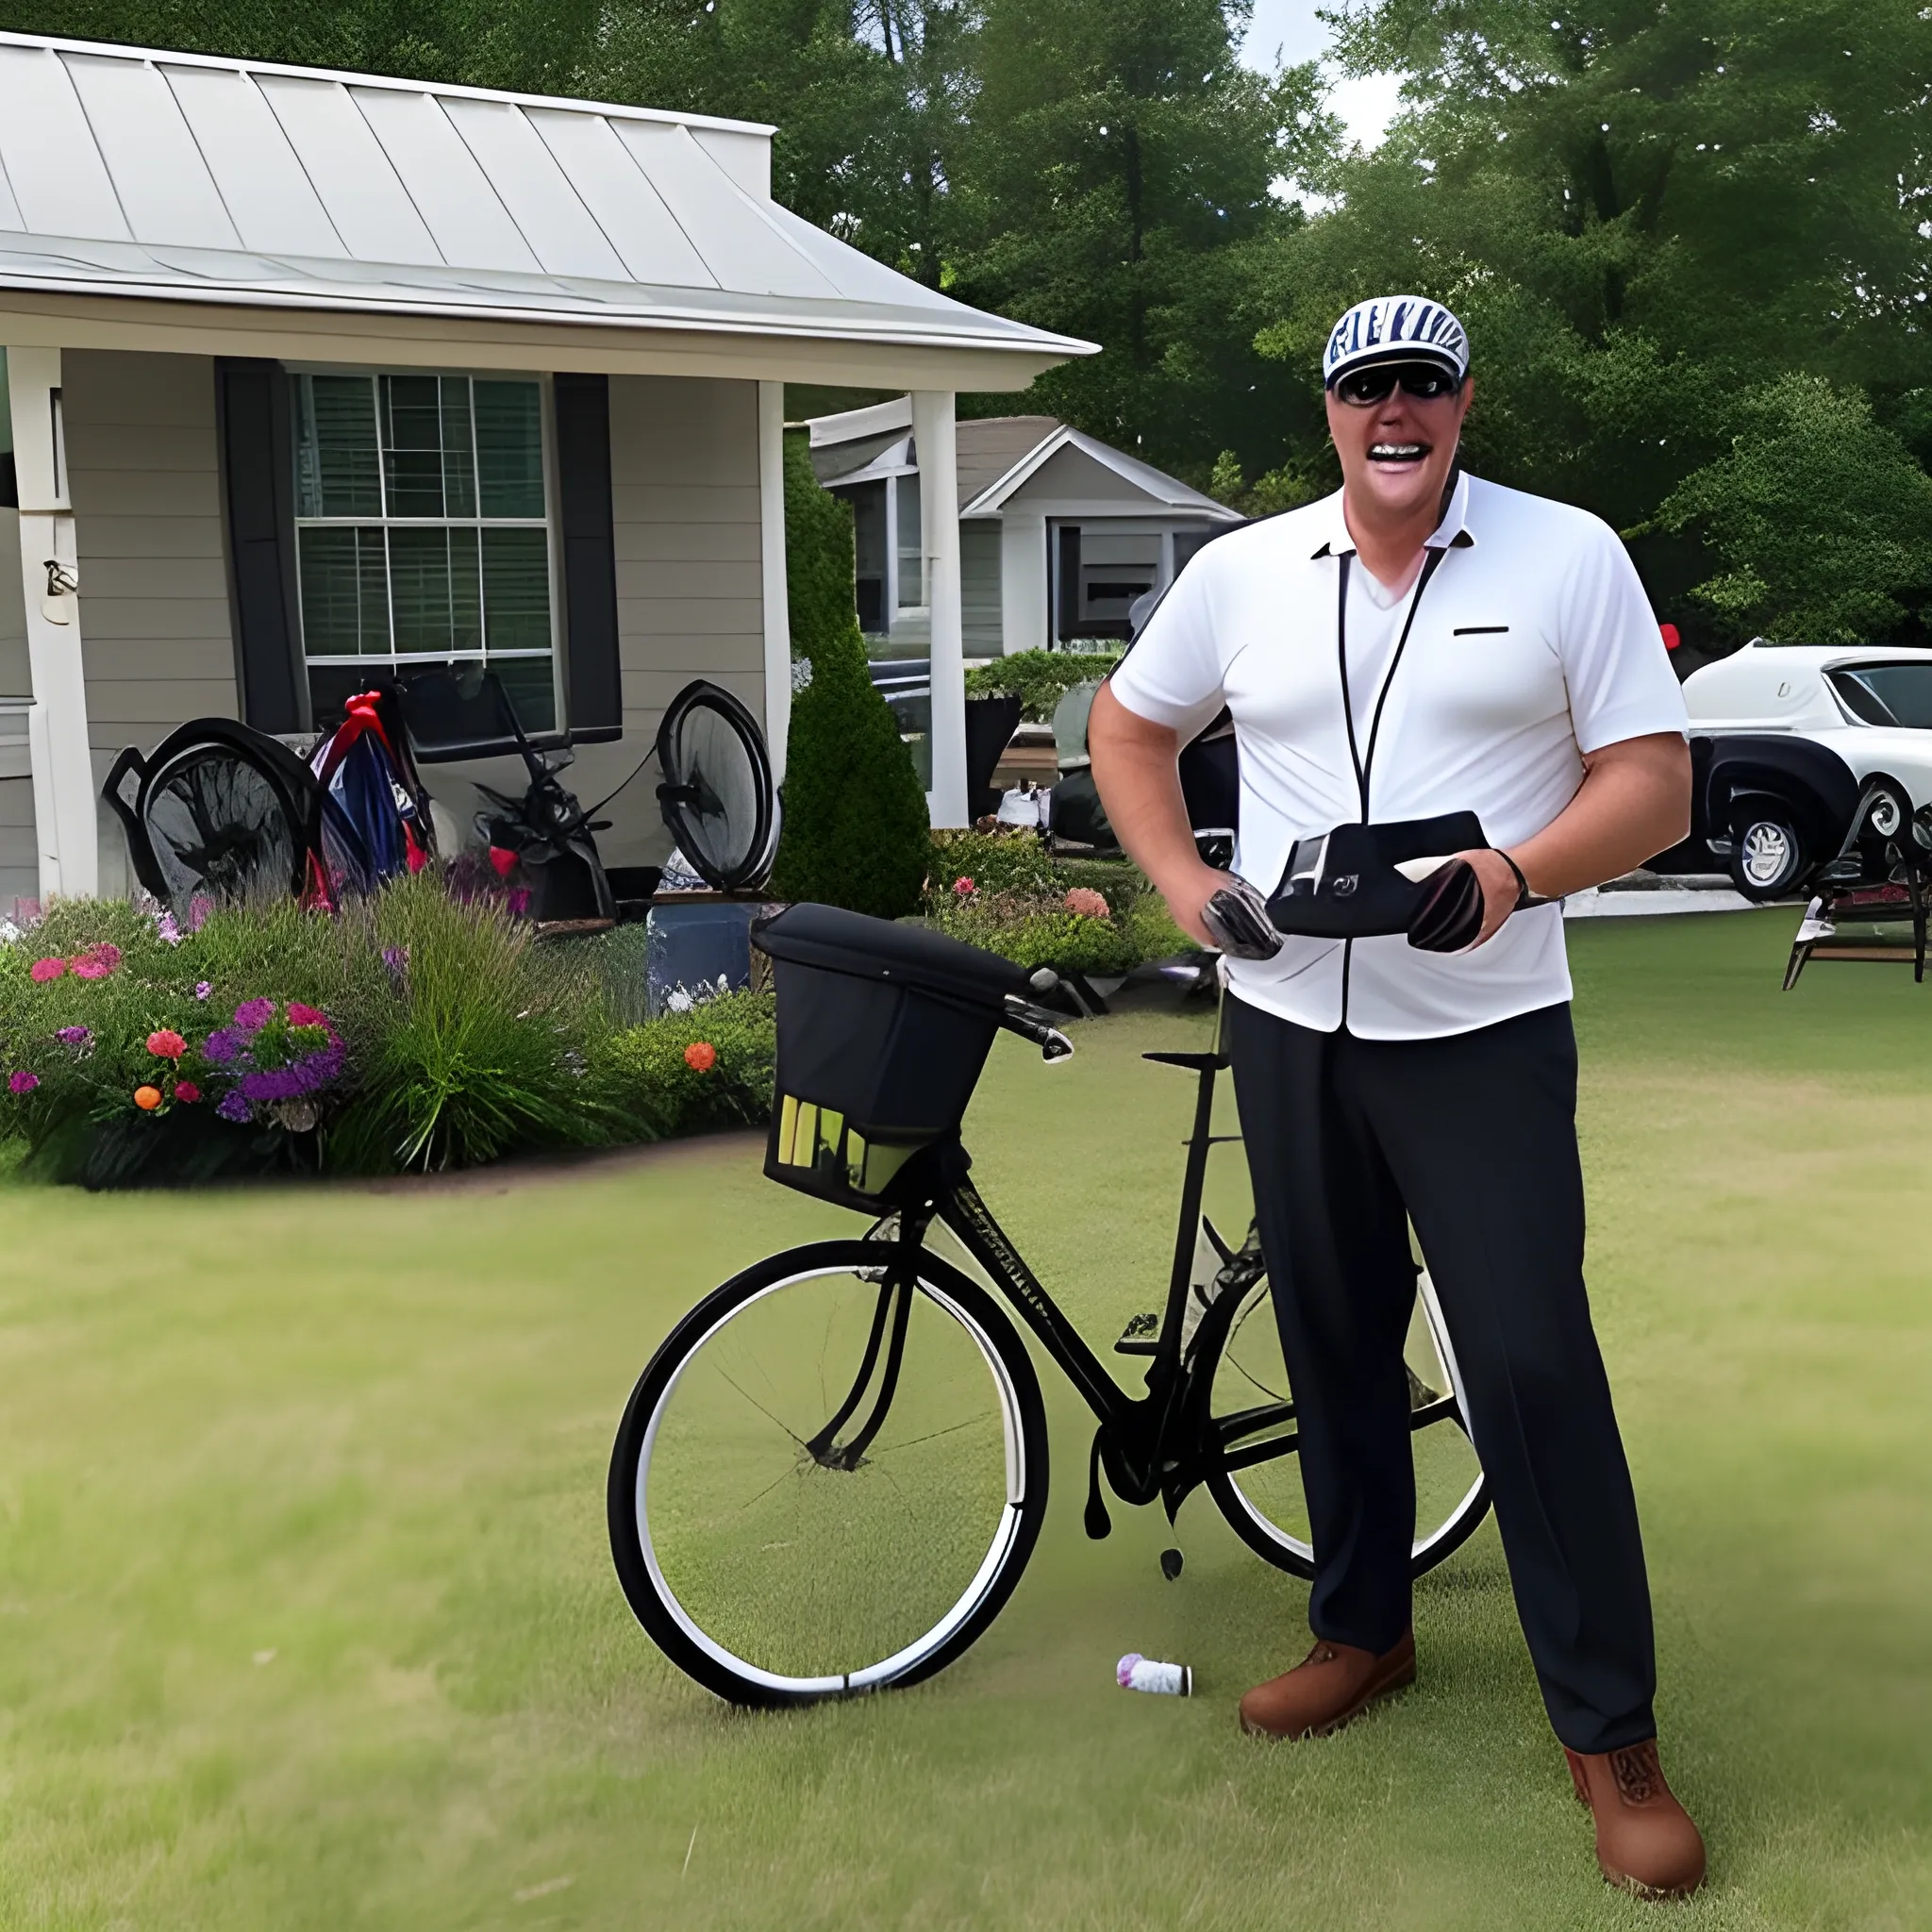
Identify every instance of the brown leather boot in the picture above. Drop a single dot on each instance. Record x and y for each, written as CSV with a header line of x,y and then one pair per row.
x,y
1334,1683
1645,1841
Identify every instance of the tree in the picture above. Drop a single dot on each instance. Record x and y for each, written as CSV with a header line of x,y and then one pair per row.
x,y
1821,517
855,827
1648,215
1120,158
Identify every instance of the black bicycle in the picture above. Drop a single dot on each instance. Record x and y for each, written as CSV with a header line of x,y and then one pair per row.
x,y
831,1475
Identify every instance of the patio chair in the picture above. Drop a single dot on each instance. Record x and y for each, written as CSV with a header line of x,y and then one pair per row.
x,y
1880,883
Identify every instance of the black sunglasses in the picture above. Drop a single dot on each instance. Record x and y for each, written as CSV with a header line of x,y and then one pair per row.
x,y
1426,381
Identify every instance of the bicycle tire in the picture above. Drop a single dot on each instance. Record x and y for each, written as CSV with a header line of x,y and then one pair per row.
x,y
671,1625
1295,1555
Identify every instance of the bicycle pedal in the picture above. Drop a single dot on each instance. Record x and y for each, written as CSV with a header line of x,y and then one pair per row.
x,y
1170,1561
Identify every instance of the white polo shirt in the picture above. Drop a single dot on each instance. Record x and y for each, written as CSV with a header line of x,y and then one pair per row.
x,y
1531,643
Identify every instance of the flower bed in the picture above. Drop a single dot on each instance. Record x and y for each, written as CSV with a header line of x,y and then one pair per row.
x,y
415,1031
1004,891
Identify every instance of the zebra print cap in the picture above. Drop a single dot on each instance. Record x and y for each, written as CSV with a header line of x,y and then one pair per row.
x,y
1395,329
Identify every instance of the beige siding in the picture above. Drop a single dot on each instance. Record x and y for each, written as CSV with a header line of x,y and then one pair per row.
x,y
153,592
684,477
979,587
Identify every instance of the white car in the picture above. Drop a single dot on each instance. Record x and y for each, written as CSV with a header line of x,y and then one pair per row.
x,y
1786,739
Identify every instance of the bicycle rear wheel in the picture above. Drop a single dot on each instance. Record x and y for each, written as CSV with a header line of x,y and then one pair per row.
x,y
1252,1406
830,1477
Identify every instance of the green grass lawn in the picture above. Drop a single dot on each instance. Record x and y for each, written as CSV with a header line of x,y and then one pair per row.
x,y
308,1619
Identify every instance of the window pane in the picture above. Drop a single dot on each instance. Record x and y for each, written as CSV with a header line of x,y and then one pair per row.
x,y
344,594
516,590
911,545
419,576
510,448
459,456
465,592
412,445
530,684
335,473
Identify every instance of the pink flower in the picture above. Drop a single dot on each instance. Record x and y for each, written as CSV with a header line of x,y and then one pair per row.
x,y
98,960
1087,903
87,968
166,1045
186,1092
963,887
44,970
502,861
22,1082
300,1015
202,989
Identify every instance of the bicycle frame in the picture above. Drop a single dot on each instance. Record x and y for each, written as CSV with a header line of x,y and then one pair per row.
x,y
1160,1445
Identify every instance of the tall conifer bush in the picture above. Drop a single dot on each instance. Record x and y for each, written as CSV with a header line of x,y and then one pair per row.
x,y
855,828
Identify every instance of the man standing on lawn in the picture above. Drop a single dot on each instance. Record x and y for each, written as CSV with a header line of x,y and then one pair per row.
x,y
1422,644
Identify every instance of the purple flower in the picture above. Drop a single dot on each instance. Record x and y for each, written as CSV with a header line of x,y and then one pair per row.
x,y
397,960
220,1046
199,910
22,1082
251,1016
168,931
202,989
270,1083
73,1035
233,1106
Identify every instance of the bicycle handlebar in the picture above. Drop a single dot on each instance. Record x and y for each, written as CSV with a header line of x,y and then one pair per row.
x,y
1038,1025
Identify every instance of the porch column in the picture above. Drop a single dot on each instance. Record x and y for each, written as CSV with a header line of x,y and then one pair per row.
x,y
1023,597
66,825
938,506
772,552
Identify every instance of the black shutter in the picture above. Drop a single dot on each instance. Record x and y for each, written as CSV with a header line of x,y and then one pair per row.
x,y
595,677
254,424
1068,615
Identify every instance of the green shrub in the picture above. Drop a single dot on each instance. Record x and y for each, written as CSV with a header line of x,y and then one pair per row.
x,y
649,1062
994,861
1033,933
856,819
1039,679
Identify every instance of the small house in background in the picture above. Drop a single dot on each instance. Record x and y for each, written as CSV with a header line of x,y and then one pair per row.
x,y
312,378
1058,532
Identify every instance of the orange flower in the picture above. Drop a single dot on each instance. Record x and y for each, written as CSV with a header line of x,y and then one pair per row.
x,y
167,1045
701,1056
147,1098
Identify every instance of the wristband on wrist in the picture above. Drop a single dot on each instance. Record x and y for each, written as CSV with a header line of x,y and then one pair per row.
x,y
1524,895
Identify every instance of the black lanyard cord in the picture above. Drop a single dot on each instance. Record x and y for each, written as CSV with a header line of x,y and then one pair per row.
x,y
1364,765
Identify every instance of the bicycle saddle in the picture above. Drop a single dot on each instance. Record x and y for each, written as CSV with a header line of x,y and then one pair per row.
x,y
1363,881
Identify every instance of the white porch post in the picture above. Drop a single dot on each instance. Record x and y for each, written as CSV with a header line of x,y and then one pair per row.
x,y
771,551
66,825
1024,598
938,503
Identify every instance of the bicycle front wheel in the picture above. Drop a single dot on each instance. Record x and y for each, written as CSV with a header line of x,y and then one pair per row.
x,y
1259,1487
831,1475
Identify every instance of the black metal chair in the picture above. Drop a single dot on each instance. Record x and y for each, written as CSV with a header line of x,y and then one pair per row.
x,y
1880,883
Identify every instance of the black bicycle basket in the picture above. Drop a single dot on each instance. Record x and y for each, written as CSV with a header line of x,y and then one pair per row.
x,y
882,1032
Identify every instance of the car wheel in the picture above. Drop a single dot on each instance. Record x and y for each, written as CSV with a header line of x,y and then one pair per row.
x,y
1769,858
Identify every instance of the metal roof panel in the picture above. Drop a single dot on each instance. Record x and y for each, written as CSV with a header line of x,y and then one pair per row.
x,y
456,199
619,197
263,184
561,232
163,183
356,181
48,150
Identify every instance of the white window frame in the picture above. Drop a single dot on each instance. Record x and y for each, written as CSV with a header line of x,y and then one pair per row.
x,y
395,660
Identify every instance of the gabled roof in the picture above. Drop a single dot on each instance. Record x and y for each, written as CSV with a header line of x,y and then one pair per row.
x,y
181,176
997,457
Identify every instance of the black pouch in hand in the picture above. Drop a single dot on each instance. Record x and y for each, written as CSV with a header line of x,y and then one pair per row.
x,y
1449,918
1346,884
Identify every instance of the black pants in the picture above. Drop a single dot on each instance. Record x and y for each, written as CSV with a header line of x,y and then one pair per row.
x,y
1473,1140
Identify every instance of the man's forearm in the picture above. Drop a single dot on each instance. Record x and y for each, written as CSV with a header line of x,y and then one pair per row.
x,y
1136,768
1634,803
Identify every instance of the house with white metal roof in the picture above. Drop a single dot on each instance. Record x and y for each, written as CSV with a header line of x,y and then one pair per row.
x,y
312,377
1059,533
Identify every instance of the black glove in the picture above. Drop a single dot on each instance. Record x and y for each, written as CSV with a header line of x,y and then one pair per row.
x,y
1237,921
1450,916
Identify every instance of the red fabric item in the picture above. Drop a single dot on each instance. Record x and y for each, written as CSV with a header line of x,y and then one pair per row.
x,y
1671,640
505,863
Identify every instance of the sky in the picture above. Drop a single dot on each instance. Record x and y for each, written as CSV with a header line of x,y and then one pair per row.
x,y
1289,25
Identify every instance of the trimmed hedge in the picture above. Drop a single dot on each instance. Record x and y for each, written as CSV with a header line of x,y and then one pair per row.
x,y
1039,679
